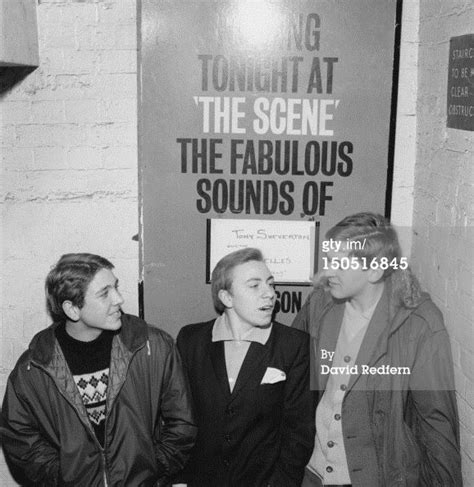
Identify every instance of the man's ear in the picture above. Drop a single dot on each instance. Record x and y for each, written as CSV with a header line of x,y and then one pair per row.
x,y
71,310
225,297
375,275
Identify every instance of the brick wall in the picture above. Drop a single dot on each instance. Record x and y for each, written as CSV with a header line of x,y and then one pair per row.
x,y
69,169
405,134
443,202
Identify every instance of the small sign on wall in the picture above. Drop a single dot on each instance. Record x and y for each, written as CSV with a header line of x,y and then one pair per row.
x,y
288,247
461,83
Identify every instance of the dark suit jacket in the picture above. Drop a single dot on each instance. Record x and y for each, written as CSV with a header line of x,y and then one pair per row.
x,y
260,434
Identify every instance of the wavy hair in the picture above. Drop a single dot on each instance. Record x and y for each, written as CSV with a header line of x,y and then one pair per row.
x,y
69,279
371,235
222,276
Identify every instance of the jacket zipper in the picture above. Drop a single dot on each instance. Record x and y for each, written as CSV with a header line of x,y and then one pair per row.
x,y
107,411
105,470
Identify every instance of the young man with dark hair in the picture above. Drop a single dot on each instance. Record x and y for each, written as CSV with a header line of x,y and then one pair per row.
x,y
99,398
249,378
381,363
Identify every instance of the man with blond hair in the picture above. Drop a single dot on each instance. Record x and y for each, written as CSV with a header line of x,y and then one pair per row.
x,y
382,367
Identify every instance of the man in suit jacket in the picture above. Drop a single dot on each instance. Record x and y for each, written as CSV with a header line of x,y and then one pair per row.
x,y
249,378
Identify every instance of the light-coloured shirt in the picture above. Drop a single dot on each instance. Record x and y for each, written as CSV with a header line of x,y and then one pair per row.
x,y
329,459
236,350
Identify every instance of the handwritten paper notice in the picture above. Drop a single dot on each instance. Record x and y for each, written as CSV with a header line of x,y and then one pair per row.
x,y
287,246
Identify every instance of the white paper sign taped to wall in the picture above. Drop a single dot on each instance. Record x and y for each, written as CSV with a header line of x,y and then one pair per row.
x,y
287,246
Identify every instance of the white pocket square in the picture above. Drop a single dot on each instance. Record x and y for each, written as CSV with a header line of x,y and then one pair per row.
x,y
273,376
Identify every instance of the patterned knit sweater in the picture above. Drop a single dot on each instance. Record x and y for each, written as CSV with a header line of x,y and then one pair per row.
x,y
89,365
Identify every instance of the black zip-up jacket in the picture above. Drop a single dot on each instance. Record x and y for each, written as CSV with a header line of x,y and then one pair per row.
x,y
149,426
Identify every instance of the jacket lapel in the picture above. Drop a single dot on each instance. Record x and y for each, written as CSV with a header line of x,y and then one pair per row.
x,y
218,364
377,327
58,369
120,357
328,340
254,365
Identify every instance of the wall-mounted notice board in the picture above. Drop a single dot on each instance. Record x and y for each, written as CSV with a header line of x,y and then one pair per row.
x,y
260,110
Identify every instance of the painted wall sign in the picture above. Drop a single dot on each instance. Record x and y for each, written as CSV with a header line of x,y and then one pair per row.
x,y
268,110
287,246
461,83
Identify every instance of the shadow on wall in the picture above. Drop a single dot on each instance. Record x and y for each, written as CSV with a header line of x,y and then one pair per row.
x,y
11,75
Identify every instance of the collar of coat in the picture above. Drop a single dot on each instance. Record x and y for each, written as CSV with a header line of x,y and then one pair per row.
x,y
389,316
133,334
396,313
